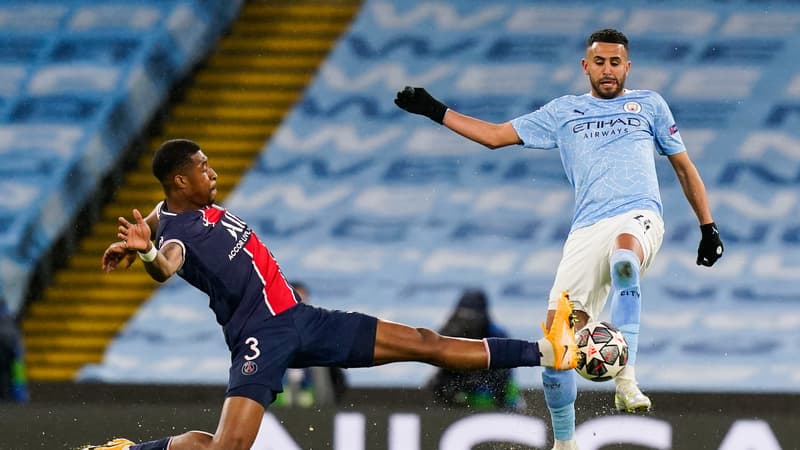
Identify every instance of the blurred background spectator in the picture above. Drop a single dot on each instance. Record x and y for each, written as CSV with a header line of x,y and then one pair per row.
x,y
13,386
483,389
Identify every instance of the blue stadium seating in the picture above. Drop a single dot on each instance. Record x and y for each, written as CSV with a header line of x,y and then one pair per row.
x,y
387,213
80,79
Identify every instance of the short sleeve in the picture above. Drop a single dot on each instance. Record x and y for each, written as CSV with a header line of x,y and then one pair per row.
x,y
668,138
172,229
538,129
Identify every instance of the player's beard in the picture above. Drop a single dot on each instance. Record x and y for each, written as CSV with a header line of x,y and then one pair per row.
x,y
606,94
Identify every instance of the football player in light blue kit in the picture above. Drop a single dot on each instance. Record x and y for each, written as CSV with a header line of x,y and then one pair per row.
x,y
607,139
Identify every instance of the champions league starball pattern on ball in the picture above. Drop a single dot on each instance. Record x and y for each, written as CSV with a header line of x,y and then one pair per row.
x,y
602,351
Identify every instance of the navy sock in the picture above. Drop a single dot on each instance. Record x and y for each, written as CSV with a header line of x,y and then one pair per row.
x,y
160,444
509,353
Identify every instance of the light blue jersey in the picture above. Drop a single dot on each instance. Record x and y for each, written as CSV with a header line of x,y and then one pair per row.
x,y
607,149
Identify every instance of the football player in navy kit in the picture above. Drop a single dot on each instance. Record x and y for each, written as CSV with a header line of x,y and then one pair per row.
x,y
266,326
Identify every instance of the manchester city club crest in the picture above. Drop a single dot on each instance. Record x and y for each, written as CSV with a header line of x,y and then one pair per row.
x,y
632,107
249,368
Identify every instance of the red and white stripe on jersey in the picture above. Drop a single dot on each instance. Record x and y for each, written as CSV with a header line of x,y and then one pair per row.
x,y
278,295
212,214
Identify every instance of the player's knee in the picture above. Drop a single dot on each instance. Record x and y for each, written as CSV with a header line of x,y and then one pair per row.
x,y
230,440
231,443
430,343
428,337
624,274
624,269
195,439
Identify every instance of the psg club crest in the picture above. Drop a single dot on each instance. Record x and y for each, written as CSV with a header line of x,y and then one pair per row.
x,y
249,368
632,107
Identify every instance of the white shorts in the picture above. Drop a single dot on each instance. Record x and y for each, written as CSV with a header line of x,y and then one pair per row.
x,y
584,269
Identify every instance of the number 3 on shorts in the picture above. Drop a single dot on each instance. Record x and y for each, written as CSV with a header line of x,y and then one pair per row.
x,y
253,343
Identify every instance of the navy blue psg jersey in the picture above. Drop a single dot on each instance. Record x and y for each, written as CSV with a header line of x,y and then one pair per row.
x,y
224,258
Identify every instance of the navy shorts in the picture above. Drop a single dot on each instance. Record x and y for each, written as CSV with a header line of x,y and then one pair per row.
x,y
302,336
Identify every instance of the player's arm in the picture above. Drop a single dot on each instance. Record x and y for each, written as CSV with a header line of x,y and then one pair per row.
x,y
118,252
167,261
492,135
693,187
161,265
152,220
711,247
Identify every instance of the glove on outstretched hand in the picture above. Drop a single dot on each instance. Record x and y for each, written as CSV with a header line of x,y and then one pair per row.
x,y
710,249
417,100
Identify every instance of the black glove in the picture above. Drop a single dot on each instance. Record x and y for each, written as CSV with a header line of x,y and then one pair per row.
x,y
710,249
417,100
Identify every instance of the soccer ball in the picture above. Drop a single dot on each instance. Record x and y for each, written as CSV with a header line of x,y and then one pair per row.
x,y
602,351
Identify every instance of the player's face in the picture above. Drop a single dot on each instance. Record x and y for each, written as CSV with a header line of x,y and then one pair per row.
x,y
607,66
202,180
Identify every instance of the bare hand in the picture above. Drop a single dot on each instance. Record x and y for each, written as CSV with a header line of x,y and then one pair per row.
x,y
116,253
135,236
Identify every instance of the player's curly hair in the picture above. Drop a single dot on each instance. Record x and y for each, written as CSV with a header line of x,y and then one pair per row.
x,y
608,35
173,155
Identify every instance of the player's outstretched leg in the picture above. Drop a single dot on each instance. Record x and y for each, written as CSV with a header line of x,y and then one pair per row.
x,y
396,342
114,444
560,388
626,309
561,336
557,349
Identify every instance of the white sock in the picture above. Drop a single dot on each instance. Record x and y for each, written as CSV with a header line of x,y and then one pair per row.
x,y
565,445
628,374
547,357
